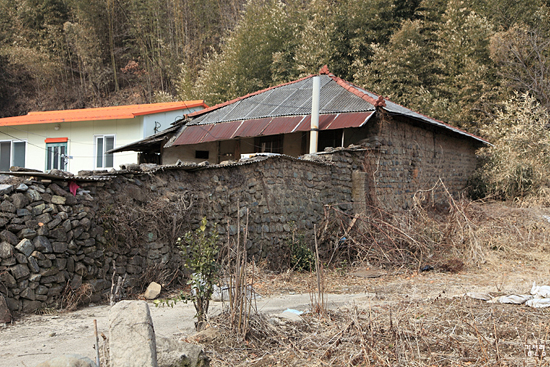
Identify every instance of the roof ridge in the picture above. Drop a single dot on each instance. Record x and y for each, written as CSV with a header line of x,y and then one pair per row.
x,y
352,88
227,103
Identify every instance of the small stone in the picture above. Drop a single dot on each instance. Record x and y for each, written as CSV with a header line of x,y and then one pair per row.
x,y
28,294
27,233
33,265
153,291
34,195
59,247
31,306
42,244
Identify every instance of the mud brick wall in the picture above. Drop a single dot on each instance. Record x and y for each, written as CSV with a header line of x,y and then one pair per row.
x,y
403,160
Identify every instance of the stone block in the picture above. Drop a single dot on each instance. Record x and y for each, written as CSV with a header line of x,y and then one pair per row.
x,y
59,200
6,189
20,200
7,279
33,265
25,247
20,271
6,250
59,247
42,244
131,335
28,293
27,233
9,237
7,206
31,306
21,258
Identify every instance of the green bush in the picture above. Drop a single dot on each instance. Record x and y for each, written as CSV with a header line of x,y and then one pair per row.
x,y
302,257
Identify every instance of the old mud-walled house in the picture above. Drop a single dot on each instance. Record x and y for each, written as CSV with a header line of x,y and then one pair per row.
x,y
401,151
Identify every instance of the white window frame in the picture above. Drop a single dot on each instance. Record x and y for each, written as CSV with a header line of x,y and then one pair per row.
x,y
103,136
11,149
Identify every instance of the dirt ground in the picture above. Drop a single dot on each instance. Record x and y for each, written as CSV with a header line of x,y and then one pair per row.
x,y
424,312
374,317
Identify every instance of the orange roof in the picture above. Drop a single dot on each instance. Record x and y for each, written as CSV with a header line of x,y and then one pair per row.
x,y
101,113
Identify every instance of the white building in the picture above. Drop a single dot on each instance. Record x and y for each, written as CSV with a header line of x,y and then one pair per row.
x,y
74,140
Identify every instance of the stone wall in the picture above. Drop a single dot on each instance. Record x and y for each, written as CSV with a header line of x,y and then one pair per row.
x,y
52,242
49,238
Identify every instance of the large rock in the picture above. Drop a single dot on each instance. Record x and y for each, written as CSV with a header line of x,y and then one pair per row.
x,y
153,291
173,353
5,314
68,360
131,335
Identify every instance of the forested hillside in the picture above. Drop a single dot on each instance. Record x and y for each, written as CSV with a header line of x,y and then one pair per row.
x,y
453,60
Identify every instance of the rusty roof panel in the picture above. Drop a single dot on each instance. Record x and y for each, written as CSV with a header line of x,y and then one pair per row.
x,y
251,128
345,120
192,134
305,124
223,131
325,121
282,125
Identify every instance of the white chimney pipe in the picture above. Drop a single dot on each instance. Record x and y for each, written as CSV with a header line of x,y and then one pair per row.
x,y
314,132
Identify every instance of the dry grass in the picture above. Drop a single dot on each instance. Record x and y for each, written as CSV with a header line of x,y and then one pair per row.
x,y
438,332
411,318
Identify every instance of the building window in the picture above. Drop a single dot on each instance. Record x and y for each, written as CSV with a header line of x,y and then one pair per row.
x,y
12,153
104,143
56,156
202,154
269,144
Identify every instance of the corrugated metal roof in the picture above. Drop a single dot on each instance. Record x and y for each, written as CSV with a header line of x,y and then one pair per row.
x,y
223,131
345,120
192,134
283,124
196,134
288,100
251,128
